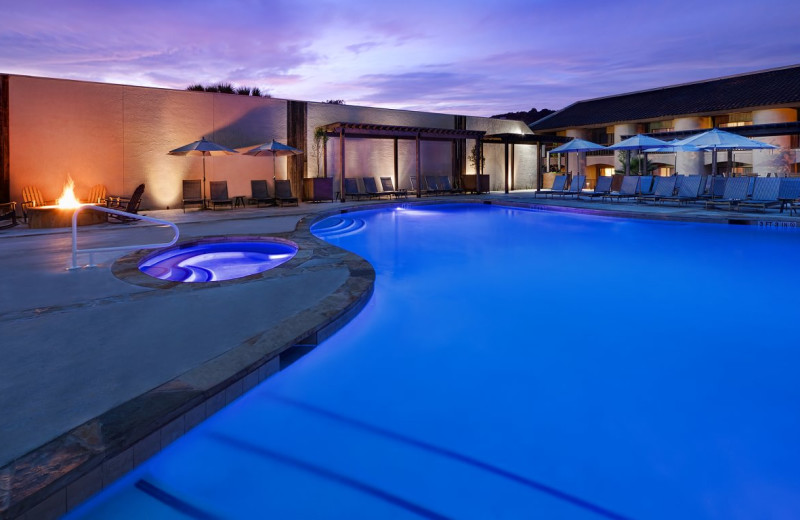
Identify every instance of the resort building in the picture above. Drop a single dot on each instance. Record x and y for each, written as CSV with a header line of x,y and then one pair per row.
x,y
119,136
761,105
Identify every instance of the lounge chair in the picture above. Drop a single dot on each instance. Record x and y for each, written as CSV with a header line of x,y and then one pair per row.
x,y
662,187
445,186
688,191
715,187
766,194
388,187
353,190
789,194
259,194
283,193
8,211
127,204
601,188
575,187
431,186
218,191
735,192
32,198
628,190
97,195
559,184
371,187
423,191
192,194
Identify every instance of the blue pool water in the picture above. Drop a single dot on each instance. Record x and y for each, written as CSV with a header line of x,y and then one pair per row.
x,y
212,260
518,364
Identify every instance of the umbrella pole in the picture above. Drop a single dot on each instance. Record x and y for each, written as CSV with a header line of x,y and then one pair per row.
x,y
714,161
273,170
627,162
204,182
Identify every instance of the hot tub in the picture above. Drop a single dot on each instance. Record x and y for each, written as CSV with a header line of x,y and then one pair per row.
x,y
211,260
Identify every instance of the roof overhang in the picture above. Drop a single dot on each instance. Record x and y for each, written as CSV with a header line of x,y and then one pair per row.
x,y
772,129
375,131
511,138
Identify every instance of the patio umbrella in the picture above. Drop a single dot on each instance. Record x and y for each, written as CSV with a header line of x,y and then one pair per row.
x,y
577,145
673,146
638,143
716,139
273,148
204,148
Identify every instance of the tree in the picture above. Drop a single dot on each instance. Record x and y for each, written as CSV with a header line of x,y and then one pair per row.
x,y
335,101
634,166
528,117
474,152
318,147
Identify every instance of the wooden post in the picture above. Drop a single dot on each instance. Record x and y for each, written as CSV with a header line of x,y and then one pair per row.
x,y
505,146
5,154
341,163
396,167
419,170
479,166
513,146
325,157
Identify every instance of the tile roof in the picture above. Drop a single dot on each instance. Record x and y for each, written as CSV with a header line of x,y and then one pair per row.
x,y
764,88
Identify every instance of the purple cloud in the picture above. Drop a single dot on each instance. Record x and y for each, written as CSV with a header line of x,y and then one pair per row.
x,y
461,57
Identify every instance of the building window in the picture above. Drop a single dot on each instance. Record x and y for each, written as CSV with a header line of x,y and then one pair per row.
x,y
659,127
601,136
734,119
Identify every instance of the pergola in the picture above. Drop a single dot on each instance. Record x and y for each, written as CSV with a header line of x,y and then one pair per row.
x,y
515,139
374,131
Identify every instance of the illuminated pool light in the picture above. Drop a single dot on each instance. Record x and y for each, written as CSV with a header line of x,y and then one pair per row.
x,y
214,260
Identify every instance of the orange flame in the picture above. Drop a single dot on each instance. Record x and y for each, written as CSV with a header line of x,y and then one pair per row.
x,y
68,199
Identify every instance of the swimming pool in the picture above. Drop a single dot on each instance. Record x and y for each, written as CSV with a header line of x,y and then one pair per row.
x,y
518,364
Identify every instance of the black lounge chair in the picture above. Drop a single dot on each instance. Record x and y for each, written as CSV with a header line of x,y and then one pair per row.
x,y
8,211
628,190
219,194
352,189
601,188
575,187
128,205
388,187
192,194
445,186
423,191
431,186
689,189
715,187
283,193
559,185
371,187
662,187
766,194
259,194
789,194
735,192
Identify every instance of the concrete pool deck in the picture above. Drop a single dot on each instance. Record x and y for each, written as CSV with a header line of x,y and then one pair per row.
x,y
103,367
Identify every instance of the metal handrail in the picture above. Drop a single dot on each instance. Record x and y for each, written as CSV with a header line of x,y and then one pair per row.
x,y
125,214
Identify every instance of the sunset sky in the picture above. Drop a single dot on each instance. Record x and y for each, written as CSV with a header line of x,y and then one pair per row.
x,y
465,57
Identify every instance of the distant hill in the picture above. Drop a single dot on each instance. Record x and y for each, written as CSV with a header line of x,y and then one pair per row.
x,y
528,117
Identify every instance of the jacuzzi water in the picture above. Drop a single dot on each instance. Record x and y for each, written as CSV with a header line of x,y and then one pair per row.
x,y
518,364
212,260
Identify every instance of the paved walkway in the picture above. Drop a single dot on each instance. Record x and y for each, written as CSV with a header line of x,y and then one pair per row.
x,y
101,368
